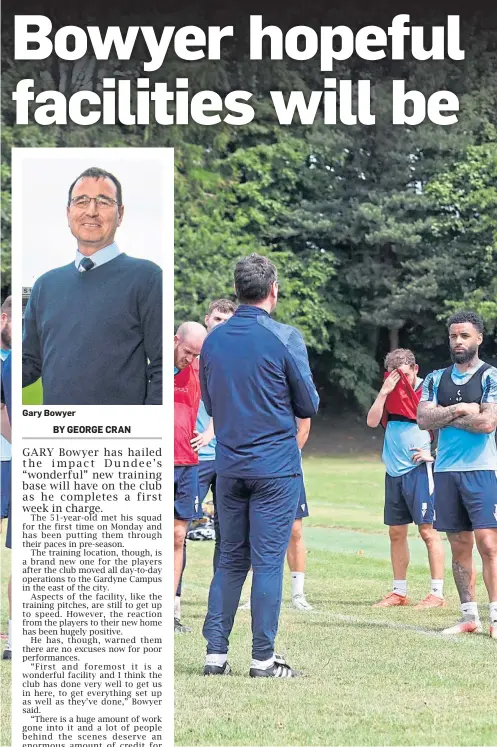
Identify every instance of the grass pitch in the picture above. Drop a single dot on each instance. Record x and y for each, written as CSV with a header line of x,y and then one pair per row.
x,y
374,677
33,394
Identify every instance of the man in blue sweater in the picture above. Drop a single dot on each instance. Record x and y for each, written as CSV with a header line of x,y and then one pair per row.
x,y
93,328
255,381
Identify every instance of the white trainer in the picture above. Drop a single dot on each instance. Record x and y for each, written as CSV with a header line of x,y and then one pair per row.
x,y
300,603
467,624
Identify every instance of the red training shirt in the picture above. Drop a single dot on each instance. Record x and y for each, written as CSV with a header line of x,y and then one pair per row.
x,y
186,404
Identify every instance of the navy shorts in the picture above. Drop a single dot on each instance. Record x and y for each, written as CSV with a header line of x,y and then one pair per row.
x,y
466,500
302,508
206,479
410,497
186,503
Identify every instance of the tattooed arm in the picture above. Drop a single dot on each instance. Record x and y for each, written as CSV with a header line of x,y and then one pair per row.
x,y
431,416
484,421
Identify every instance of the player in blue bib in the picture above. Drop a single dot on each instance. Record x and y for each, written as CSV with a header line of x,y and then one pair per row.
x,y
461,401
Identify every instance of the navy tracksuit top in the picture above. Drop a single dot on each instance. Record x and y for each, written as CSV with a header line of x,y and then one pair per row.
x,y
255,380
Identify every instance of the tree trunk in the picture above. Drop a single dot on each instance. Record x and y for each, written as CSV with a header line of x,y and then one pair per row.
x,y
393,335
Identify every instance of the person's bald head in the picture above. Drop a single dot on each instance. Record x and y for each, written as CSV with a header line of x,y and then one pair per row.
x,y
188,342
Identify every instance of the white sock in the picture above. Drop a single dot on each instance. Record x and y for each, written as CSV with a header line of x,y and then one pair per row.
x,y
217,660
256,664
177,608
493,613
437,587
297,583
400,587
8,645
470,608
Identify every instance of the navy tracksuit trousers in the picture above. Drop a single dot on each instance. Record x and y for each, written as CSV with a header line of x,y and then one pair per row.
x,y
255,520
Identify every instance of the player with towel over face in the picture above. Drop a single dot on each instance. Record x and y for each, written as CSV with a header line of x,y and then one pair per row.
x,y
409,487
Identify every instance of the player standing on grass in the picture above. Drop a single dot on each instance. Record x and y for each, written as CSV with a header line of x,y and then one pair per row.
x,y
408,480
296,552
255,380
187,345
461,400
205,441
204,444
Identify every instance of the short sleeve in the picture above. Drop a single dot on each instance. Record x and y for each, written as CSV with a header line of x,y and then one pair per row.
x,y
429,393
489,384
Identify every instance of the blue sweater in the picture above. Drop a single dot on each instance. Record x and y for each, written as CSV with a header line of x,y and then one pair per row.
x,y
255,379
6,379
95,338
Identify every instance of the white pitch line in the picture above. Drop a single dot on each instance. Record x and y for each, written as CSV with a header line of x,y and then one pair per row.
x,y
385,624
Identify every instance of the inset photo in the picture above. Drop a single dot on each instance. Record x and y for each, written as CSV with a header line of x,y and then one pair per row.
x,y
93,227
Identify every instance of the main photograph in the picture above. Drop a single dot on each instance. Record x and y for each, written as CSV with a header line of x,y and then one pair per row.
x,y
354,265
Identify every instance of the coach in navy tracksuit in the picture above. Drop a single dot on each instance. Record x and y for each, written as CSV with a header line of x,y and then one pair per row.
x,y
255,380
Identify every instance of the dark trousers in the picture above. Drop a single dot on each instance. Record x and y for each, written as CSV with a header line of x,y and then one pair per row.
x,y
207,479
255,519
217,531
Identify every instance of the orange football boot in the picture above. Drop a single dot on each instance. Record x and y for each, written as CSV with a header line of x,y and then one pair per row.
x,y
392,600
430,602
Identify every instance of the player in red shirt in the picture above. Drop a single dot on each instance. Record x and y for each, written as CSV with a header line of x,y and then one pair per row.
x,y
409,489
187,346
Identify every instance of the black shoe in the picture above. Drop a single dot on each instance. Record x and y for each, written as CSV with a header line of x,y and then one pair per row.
x,y
7,654
179,627
279,669
217,669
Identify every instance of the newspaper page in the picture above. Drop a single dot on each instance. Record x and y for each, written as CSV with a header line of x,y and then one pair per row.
x,y
334,308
